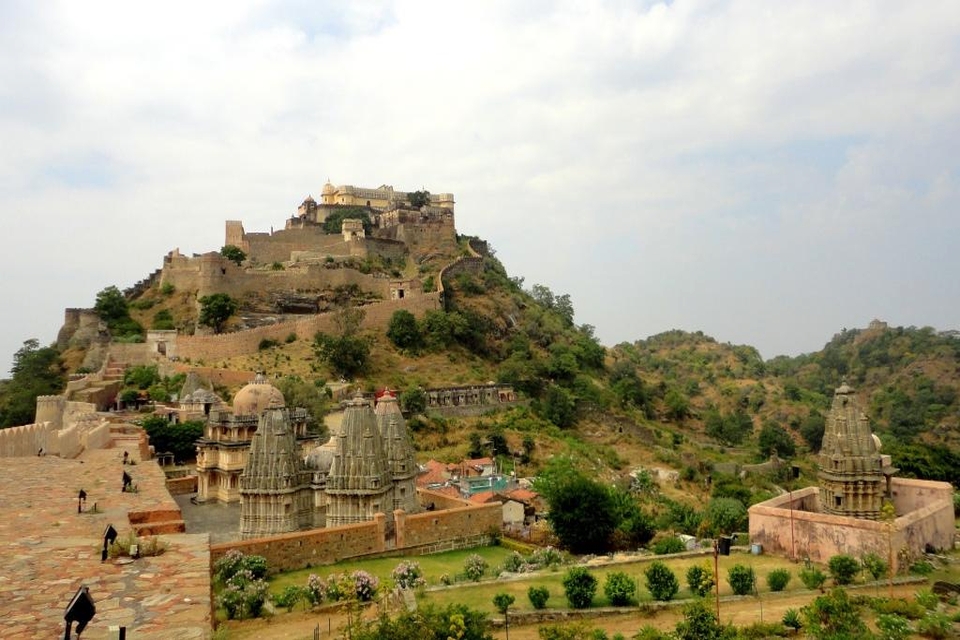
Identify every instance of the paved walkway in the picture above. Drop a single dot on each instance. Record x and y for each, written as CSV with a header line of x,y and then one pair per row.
x,y
48,551
221,521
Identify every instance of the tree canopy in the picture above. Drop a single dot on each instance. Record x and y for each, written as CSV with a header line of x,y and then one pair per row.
x,y
37,371
216,309
233,253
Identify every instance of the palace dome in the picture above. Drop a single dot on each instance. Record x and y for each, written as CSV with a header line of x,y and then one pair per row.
x,y
256,397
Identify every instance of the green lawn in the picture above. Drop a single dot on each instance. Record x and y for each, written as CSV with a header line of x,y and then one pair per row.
x,y
480,596
435,565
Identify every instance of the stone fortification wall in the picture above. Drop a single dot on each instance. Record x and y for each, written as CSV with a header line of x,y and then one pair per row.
x,y
458,528
301,549
438,236
416,534
464,264
820,536
434,500
27,440
212,348
224,377
182,486
280,245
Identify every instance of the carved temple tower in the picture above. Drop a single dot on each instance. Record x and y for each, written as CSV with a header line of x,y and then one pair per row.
x,y
359,484
275,494
398,452
854,476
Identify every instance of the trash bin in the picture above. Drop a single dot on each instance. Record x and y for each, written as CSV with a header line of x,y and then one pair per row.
x,y
756,549
723,545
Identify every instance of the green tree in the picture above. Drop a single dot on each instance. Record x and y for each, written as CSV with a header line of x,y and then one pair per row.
x,y
178,438
347,356
579,585
662,583
233,253
741,579
538,596
582,513
834,617
111,305
619,588
875,565
678,405
419,198
403,331
414,400
216,309
558,406
503,601
142,376
699,623
774,439
699,580
456,621
725,516
37,371
843,568
333,223
297,392
811,430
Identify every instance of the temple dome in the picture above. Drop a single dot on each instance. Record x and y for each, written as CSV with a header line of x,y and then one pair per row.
x,y
328,189
256,397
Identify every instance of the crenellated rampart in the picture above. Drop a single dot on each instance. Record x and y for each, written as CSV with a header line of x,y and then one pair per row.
x,y
28,440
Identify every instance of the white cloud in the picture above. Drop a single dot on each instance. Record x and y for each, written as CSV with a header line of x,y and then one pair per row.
x,y
713,164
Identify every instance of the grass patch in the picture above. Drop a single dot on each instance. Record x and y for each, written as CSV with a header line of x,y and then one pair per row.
x,y
448,563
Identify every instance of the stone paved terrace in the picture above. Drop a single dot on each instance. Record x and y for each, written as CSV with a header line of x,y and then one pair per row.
x,y
48,551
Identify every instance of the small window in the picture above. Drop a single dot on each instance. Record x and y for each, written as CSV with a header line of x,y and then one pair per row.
x,y
837,501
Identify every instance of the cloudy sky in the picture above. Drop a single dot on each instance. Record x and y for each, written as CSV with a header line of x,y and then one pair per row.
x,y
767,172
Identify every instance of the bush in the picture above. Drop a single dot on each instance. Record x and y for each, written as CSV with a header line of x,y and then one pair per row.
x,y
316,589
935,625
893,627
514,563
234,562
667,545
267,343
778,579
699,580
503,601
364,585
791,619
579,586
474,567
812,577
843,568
546,557
619,588
741,579
408,575
661,581
290,597
833,616
243,596
926,599
875,565
921,568
699,623
538,596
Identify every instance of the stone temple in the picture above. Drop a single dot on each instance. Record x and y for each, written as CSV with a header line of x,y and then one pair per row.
x,y
854,477
843,513
367,468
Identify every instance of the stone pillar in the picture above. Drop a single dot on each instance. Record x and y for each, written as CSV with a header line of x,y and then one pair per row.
x,y
399,528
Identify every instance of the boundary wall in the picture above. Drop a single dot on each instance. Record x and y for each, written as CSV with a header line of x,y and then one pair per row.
x,y
415,534
781,529
227,345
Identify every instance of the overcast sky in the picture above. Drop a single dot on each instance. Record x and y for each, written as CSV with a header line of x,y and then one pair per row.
x,y
766,172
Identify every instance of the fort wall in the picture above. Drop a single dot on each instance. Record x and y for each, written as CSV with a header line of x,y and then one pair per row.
x,y
27,440
217,347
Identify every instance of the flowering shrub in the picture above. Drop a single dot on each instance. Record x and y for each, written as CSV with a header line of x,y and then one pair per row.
x,y
408,575
243,595
446,579
234,562
338,587
316,589
514,563
475,567
365,585
546,557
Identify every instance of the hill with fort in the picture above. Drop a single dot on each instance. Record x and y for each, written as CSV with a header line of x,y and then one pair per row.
x,y
357,266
